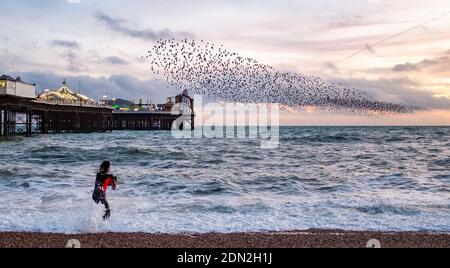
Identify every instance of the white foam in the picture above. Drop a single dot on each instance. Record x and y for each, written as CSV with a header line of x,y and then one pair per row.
x,y
279,192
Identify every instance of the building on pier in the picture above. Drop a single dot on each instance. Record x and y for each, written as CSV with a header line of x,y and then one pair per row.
x,y
16,87
185,102
64,94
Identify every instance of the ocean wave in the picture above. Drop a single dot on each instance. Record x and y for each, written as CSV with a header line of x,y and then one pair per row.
x,y
209,189
442,162
221,209
338,138
395,139
388,209
386,178
123,151
7,172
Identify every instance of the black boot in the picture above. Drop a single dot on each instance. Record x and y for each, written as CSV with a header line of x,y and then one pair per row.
x,y
107,214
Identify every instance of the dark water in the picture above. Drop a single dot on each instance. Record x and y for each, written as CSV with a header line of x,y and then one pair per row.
x,y
359,178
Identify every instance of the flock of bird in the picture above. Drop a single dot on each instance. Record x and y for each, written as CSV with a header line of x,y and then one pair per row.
x,y
216,73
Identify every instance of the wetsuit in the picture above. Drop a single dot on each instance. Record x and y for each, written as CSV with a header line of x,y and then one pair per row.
x,y
102,182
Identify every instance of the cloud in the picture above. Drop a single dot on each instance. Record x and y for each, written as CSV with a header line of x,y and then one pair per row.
x,y
70,53
114,86
114,60
399,90
407,67
331,66
371,47
440,63
30,46
75,63
403,91
73,1
65,44
121,26
371,50
2,68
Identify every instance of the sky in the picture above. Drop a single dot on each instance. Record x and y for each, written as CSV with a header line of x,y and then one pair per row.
x,y
396,50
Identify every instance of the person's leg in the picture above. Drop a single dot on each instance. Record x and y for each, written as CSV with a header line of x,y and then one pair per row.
x,y
107,210
96,196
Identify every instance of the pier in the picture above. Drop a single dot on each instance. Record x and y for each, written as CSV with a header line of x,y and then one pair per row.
x,y
149,120
64,111
25,116
177,112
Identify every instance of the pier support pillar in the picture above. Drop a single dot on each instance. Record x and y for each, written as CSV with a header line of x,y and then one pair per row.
x,y
6,122
44,122
77,126
1,120
12,116
58,122
5,118
29,122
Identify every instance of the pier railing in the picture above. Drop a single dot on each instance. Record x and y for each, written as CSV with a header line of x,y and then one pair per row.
x,y
144,112
92,104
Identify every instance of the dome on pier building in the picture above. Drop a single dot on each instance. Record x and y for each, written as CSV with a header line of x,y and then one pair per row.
x,y
64,93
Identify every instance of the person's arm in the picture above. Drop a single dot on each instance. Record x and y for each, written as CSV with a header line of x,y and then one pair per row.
x,y
114,183
109,181
105,184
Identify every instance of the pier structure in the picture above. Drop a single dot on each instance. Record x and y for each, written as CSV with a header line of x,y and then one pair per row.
x,y
151,120
177,112
25,116
64,111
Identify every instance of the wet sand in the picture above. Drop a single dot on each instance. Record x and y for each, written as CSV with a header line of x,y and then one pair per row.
x,y
295,239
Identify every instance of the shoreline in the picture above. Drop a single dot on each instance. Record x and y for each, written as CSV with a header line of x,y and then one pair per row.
x,y
289,239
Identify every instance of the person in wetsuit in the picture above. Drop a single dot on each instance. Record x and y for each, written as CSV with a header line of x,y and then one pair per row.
x,y
102,182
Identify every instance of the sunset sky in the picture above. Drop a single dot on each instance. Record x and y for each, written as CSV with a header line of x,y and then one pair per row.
x,y
398,51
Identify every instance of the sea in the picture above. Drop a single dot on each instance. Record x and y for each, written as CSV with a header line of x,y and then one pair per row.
x,y
350,178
